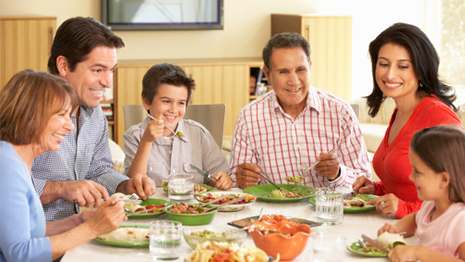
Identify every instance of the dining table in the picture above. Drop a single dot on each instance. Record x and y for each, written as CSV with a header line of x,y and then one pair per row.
x,y
351,229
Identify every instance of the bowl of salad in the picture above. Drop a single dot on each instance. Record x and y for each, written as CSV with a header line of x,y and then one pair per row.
x,y
195,236
190,214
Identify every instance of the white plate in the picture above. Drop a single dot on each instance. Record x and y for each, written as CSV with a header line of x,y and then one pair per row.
x,y
228,207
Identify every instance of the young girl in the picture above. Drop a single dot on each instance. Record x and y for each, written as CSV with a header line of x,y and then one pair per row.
x,y
437,155
169,144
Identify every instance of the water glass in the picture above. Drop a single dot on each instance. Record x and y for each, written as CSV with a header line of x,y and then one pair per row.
x,y
329,208
328,246
165,239
181,187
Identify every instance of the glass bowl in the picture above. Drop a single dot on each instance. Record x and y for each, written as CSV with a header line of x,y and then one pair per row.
x,y
212,234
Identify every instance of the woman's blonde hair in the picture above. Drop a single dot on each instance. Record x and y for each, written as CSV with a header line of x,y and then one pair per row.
x,y
442,148
28,101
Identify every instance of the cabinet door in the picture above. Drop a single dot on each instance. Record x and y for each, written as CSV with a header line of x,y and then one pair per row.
x,y
330,39
24,43
221,84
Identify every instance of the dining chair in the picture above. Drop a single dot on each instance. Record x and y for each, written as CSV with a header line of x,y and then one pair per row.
x,y
133,115
211,116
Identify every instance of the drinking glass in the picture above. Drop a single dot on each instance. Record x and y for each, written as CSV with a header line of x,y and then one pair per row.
x,y
329,208
165,239
328,246
181,187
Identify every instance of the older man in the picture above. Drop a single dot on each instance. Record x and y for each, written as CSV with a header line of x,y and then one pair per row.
x,y
282,133
81,172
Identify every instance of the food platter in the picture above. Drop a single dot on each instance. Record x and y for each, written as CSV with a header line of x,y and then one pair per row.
x,y
356,248
126,244
262,192
352,210
150,202
228,207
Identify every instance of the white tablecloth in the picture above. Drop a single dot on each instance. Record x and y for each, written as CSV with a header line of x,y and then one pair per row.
x,y
352,228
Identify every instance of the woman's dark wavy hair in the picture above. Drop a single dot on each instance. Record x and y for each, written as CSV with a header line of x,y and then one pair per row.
x,y
425,61
442,148
76,38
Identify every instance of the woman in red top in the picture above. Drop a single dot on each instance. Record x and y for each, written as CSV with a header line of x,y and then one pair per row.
x,y
405,68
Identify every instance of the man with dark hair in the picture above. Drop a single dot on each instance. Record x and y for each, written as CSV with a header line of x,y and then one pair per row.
x,y
282,133
81,172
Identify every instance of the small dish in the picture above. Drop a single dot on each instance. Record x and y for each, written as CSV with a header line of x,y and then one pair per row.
x,y
211,234
191,219
205,198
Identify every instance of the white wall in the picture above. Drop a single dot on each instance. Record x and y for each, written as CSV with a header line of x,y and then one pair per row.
x,y
246,28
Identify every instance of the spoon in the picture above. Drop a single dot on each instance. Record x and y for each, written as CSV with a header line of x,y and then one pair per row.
x,y
153,118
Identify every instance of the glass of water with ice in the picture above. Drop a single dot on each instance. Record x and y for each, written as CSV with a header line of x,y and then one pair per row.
x,y
181,187
165,239
329,208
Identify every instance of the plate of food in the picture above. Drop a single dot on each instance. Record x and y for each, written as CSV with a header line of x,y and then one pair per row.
x,y
198,188
287,193
353,204
368,250
155,206
233,206
127,236
271,219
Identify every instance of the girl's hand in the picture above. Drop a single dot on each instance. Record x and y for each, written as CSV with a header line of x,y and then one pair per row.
x,y
364,185
388,227
223,181
153,131
388,204
403,253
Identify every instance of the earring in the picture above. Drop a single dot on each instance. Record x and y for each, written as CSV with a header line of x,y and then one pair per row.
x,y
421,84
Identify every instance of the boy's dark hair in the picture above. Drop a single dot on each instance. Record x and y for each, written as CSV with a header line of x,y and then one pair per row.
x,y
76,38
165,74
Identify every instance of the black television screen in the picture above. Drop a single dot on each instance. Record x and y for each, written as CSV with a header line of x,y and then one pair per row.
x,y
123,15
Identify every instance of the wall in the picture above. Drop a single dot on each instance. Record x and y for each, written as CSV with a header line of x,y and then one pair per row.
x,y
246,29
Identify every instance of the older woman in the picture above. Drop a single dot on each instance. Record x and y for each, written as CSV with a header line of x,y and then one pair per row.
x,y
405,67
35,110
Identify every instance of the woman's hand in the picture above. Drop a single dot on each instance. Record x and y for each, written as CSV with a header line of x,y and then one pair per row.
x,y
107,217
223,181
388,204
364,185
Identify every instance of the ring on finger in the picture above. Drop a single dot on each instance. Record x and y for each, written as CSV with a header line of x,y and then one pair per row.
x,y
382,204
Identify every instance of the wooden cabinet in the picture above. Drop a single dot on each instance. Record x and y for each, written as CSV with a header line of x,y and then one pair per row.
x,y
218,81
330,39
24,43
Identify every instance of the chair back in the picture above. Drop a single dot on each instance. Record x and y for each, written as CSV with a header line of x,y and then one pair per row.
x,y
133,115
211,117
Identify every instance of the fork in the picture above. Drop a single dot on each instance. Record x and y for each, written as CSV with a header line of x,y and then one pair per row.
x,y
153,118
134,196
317,162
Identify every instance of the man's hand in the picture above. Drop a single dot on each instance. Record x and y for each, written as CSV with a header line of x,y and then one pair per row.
x,y
364,185
328,166
223,181
86,193
140,184
248,175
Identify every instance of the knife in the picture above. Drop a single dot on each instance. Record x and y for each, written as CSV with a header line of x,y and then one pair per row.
x,y
203,173
347,195
375,243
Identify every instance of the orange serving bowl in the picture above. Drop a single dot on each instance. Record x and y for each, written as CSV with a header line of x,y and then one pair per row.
x,y
288,247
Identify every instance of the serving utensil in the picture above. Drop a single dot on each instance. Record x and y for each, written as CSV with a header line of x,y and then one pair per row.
x,y
247,227
269,181
375,243
203,173
153,118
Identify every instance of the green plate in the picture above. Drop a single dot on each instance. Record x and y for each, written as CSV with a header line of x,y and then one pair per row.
x,y
125,244
262,192
191,219
356,248
352,210
209,188
150,201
